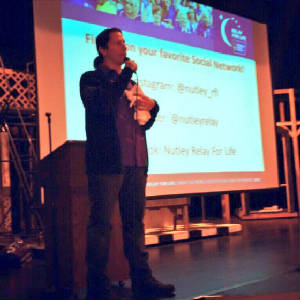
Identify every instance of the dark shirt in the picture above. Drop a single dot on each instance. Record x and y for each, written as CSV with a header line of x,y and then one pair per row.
x,y
103,100
131,135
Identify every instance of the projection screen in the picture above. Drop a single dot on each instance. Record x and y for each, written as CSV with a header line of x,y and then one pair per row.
x,y
207,69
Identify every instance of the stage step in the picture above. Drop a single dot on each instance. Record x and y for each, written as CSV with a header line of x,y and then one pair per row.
x,y
155,236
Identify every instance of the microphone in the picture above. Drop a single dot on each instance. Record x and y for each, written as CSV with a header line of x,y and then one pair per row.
x,y
126,59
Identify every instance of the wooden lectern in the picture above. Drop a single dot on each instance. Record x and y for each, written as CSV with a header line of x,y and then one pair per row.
x,y
66,215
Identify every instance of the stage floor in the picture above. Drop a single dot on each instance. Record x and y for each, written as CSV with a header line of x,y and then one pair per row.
x,y
263,258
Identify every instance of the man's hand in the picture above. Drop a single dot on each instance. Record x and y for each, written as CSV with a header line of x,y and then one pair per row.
x,y
144,102
138,99
131,64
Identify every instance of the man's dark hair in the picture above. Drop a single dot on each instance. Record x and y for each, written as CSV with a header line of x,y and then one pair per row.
x,y
102,40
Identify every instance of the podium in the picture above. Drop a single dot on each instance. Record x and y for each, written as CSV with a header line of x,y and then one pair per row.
x,y
64,182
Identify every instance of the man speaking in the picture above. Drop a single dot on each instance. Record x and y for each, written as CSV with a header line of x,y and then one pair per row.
x,y
116,164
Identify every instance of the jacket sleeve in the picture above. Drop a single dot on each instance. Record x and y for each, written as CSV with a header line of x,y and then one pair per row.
x,y
94,85
153,113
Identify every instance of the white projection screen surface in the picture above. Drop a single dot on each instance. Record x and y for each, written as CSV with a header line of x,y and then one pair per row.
x,y
211,78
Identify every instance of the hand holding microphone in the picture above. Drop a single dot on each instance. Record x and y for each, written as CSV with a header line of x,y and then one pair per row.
x,y
130,64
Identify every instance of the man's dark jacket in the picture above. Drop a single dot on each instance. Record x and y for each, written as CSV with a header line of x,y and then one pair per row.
x,y
100,97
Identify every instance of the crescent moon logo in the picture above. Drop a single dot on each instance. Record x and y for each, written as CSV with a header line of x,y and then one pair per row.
x,y
223,32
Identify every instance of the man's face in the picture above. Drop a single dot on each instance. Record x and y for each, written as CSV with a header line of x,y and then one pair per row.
x,y
131,8
166,3
191,14
116,49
